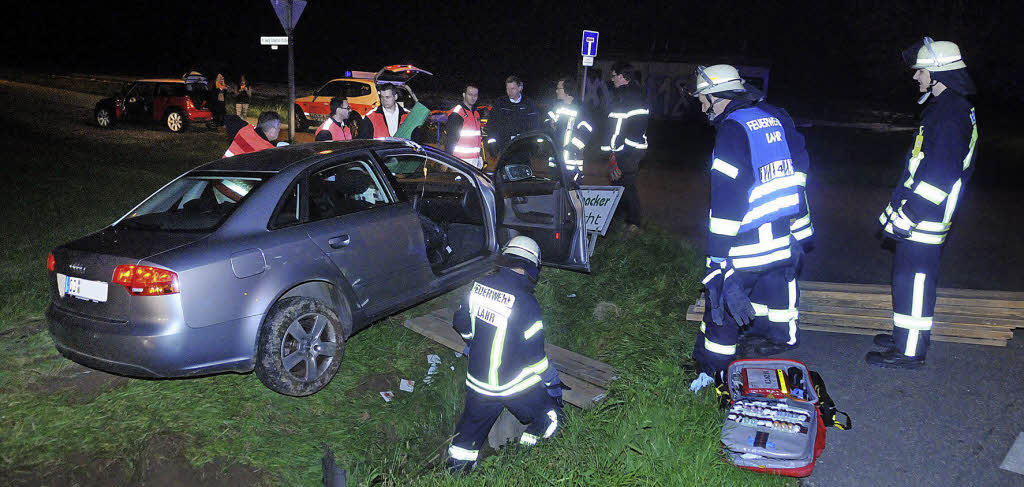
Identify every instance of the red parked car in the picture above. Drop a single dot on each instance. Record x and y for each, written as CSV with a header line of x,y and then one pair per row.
x,y
171,101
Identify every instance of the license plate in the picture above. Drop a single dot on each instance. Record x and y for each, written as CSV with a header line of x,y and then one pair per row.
x,y
82,288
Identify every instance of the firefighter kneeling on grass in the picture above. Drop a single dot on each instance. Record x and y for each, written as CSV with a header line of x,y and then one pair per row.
x,y
758,207
501,321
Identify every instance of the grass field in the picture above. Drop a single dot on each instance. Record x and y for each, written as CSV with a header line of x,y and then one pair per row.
x,y
650,430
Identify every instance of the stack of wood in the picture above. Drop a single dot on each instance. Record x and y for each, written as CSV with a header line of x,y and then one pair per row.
x,y
588,378
961,315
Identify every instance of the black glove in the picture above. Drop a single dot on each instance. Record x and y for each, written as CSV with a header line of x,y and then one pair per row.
x,y
737,301
713,281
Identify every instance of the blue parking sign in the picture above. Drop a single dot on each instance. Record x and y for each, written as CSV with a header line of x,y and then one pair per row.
x,y
590,43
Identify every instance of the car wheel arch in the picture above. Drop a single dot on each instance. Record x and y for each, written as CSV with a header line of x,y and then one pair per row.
x,y
338,299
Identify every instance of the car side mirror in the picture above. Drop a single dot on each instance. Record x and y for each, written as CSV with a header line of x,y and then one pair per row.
x,y
516,172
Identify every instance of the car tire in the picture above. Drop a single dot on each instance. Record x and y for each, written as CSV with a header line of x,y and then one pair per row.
x,y
301,124
287,338
176,121
104,116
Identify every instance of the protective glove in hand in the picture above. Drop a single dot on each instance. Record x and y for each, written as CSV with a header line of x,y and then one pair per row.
x,y
737,302
713,297
555,391
614,173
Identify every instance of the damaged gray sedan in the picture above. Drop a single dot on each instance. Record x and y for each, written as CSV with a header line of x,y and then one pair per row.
x,y
271,261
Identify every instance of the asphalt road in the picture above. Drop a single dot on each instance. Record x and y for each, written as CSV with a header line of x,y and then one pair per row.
x,y
950,423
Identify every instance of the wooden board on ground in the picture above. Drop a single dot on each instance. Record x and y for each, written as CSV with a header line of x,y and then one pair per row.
x,y
582,394
586,368
961,315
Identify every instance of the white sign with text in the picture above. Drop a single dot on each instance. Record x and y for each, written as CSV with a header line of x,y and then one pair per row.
x,y
599,203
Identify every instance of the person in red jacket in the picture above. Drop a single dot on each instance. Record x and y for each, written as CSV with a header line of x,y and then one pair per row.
x,y
384,121
335,127
463,128
254,139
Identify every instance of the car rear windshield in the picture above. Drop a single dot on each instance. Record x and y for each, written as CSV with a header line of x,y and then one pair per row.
x,y
192,203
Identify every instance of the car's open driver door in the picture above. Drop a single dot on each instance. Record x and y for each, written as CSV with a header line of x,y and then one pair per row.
x,y
537,198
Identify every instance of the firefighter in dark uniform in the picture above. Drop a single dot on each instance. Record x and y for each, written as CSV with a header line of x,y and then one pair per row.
x,y
502,324
336,126
923,205
626,140
572,127
758,177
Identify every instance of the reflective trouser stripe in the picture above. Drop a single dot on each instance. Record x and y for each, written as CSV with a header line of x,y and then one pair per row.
x,y
553,416
719,349
794,312
914,323
462,454
528,439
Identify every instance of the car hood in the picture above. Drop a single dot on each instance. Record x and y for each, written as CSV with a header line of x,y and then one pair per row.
x,y
133,244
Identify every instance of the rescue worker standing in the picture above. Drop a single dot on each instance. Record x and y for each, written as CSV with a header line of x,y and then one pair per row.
x,y
758,173
253,139
463,128
626,141
502,324
385,119
336,126
572,127
511,116
924,202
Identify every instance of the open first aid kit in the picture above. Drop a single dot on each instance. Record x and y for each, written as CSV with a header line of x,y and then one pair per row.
x,y
777,415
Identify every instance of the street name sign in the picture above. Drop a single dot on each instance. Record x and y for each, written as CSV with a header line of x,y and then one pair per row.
x,y
273,40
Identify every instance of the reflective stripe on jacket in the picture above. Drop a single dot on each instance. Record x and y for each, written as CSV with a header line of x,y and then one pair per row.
x,y
246,141
468,145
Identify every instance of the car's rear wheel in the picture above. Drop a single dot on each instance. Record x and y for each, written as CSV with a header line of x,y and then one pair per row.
x,y
300,347
104,117
175,121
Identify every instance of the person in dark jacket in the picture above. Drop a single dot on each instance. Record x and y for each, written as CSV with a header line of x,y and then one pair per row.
x,y
924,202
511,116
502,324
626,141
758,178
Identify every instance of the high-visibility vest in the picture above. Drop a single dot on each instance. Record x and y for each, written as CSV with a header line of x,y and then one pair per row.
x,y
338,131
380,124
468,146
246,141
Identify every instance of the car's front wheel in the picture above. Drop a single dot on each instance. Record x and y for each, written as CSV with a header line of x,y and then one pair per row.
x,y
175,121
104,117
300,347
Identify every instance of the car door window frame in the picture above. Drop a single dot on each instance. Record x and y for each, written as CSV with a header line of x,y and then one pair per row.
x,y
391,197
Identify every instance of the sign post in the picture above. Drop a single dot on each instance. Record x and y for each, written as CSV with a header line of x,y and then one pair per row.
x,y
599,203
589,52
288,12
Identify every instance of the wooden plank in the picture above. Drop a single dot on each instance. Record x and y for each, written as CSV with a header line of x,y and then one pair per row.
x,y
583,394
945,314
1012,314
937,338
884,323
885,298
583,367
885,289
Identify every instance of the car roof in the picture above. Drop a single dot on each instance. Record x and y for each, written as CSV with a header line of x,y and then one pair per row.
x,y
162,80
275,160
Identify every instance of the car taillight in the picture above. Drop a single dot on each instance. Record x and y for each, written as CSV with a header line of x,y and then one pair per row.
x,y
51,263
143,280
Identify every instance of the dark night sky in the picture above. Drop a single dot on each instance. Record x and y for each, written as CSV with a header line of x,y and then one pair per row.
x,y
815,50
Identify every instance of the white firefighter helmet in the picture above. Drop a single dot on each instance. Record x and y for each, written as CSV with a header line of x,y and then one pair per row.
x,y
523,247
936,56
716,79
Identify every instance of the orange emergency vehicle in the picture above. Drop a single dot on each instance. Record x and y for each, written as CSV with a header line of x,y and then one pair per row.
x,y
360,87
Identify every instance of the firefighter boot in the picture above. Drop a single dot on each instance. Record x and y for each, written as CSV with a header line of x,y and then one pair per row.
x,y
893,359
885,341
